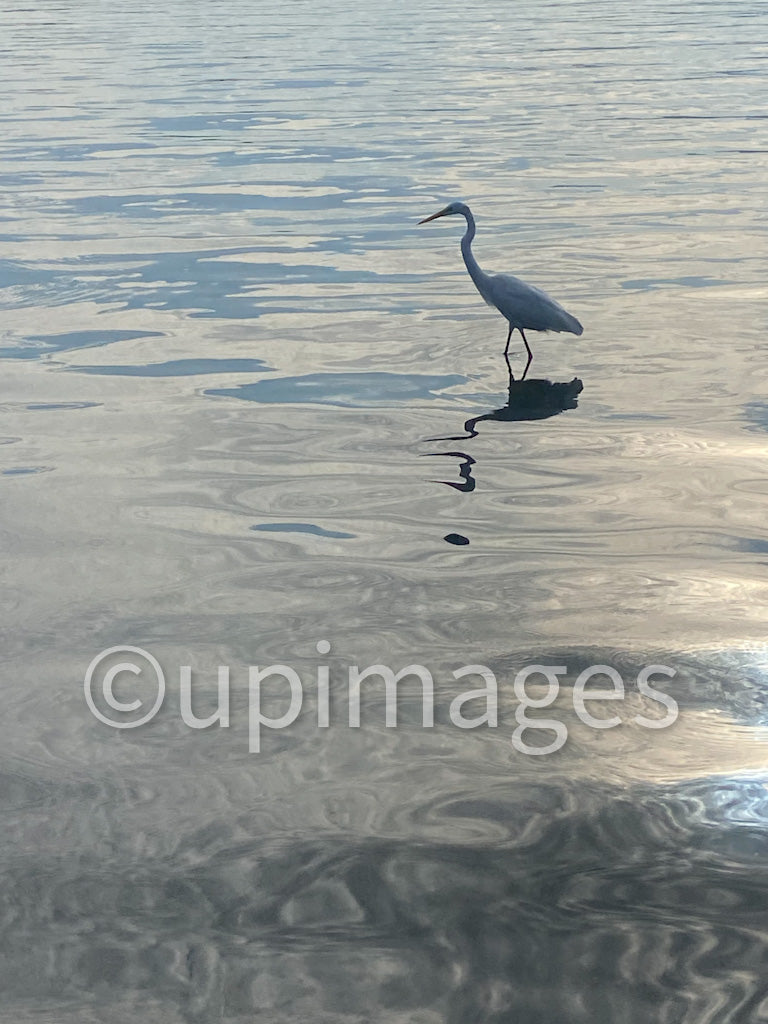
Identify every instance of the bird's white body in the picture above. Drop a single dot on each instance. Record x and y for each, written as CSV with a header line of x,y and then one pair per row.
x,y
524,306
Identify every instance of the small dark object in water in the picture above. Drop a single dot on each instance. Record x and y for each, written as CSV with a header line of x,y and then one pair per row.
x,y
456,538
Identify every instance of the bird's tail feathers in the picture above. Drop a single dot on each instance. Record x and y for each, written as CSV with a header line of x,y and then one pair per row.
x,y
571,324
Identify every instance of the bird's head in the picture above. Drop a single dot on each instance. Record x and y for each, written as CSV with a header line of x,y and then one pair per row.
x,y
450,209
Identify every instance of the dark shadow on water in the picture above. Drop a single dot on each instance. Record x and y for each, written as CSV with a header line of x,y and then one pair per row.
x,y
36,346
757,415
467,481
317,531
536,399
177,368
532,400
356,390
457,539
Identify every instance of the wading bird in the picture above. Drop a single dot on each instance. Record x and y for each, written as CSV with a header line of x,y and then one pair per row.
x,y
521,304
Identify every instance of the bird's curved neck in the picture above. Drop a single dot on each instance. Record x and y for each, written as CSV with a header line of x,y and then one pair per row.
x,y
466,249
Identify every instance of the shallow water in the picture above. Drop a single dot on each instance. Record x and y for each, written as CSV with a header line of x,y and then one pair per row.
x,y
248,406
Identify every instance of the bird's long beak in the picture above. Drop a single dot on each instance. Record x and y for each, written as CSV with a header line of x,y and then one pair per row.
x,y
433,217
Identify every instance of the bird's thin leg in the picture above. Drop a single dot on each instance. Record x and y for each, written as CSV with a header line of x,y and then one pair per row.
x,y
528,350
509,370
511,328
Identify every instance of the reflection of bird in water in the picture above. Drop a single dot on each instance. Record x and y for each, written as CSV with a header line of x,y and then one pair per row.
x,y
526,400
532,400
465,470
523,305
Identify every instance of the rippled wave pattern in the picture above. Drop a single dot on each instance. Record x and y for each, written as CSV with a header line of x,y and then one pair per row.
x,y
247,405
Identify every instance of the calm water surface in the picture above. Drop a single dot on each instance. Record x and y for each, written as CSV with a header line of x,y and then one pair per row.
x,y
247,405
